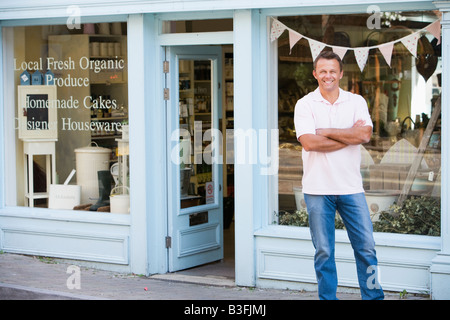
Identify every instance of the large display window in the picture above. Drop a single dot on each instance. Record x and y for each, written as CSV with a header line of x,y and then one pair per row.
x,y
401,83
70,117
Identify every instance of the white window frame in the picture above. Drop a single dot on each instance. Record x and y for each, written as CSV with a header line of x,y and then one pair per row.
x,y
272,97
9,179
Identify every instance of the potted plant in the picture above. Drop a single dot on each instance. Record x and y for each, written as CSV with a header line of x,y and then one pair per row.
x,y
417,215
299,218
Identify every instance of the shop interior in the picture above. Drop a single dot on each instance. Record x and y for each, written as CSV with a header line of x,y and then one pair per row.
x,y
86,164
72,113
195,100
402,98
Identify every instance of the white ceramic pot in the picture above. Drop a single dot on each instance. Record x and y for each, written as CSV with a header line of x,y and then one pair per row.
x,y
299,198
380,200
89,160
119,202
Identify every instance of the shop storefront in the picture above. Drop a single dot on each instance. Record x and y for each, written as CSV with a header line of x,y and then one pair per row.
x,y
130,134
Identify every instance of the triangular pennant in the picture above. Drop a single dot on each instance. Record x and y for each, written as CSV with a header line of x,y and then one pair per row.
x,y
361,55
435,30
386,51
410,42
277,29
316,47
294,37
340,51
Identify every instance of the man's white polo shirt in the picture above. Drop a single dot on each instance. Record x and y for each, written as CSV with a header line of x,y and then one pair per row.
x,y
337,172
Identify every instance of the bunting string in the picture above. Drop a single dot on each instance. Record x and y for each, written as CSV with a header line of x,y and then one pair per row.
x,y
361,53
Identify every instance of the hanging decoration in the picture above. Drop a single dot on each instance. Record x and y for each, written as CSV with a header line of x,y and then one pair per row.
x,y
410,42
361,53
294,37
435,30
277,29
340,51
316,47
386,50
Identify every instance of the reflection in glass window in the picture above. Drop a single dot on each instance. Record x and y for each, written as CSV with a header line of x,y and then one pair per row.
x,y
402,101
71,117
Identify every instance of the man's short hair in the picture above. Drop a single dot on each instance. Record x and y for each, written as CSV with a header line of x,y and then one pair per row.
x,y
329,55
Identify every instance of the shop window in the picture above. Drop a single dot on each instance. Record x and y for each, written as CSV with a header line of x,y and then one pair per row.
x,y
190,26
402,99
71,117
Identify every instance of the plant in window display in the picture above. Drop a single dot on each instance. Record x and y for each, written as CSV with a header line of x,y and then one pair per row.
x,y
417,215
299,218
400,80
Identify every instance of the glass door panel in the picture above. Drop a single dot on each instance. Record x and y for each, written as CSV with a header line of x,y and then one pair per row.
x,y
195,101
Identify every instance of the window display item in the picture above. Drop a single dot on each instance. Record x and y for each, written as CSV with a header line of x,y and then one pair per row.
x,y
90,160
49,78
25,78
120,202
95,49
104,189
116,28
89,28
103,28
64,196
123,154
115,173
36,112
37,78
32,148
380,200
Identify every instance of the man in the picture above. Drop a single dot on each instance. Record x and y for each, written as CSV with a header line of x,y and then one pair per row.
x,y
331,124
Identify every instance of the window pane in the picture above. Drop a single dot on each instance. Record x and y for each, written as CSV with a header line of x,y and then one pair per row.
x,y
196,117
71,113
402,103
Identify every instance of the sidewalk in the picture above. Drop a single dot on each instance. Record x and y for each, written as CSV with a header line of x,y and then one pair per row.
x,y
36,278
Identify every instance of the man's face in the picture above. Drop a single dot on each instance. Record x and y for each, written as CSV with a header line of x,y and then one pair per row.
x,y
328,74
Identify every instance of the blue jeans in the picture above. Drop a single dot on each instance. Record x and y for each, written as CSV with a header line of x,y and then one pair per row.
x,y
356,217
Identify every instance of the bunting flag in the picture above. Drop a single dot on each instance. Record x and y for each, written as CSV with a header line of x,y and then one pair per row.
x,y
340,51
435,30
410,42
294,37
316,47
277,29
386,50
361,53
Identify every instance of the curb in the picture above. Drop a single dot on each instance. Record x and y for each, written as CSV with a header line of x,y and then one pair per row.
x,y
17,292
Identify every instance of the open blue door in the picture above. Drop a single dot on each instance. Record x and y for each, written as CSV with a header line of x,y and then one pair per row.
x,y
195,216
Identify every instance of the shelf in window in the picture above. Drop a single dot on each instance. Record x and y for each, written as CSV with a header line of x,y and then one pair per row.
x,y
108,82
109,118
107,57
115,136
38,195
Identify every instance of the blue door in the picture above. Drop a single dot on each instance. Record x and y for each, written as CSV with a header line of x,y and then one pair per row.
x,y
195,215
